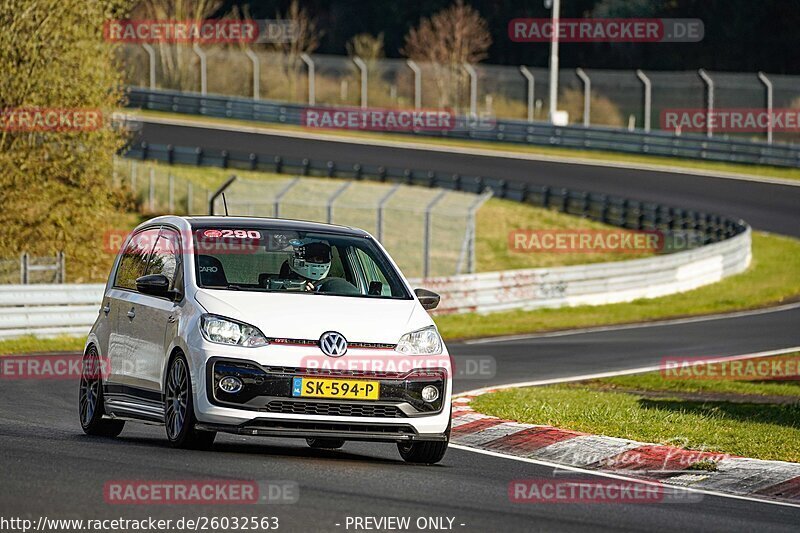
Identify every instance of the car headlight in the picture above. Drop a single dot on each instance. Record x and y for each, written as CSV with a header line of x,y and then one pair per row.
x,y
227,331
425,341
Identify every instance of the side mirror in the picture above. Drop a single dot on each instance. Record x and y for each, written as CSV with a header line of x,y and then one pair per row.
x,y
153,284
428,299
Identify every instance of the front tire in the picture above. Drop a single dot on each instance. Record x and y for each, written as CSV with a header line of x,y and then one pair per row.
x,y
428,453
90,399
179,418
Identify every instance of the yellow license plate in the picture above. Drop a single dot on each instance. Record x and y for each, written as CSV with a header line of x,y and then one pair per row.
x,y
351,389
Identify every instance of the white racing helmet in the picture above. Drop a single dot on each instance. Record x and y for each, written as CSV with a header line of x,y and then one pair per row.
x,y
311,259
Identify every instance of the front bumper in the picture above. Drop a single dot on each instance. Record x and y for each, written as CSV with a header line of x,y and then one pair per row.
x,y
265,406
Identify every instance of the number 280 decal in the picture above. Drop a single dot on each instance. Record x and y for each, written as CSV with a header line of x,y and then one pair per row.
x,y
238,233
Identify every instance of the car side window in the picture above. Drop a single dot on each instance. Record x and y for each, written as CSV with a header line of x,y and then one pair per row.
x,y
376,282
134,259
165,258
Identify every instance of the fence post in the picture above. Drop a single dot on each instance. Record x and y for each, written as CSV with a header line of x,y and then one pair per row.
x,y
311,87
338,192
426,241
556,13
151,195
62,267
768,85
23,268
648,98
417,82
587,96
219,192
363,68
381,204
473,89
529,76
171,193
256,73
203,68
281,194
152,64
709,100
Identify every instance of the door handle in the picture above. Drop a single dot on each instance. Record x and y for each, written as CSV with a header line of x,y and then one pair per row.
x,y
131,313
106,309
171,319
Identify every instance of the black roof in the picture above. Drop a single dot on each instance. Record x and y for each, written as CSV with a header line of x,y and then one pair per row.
x,y
272,224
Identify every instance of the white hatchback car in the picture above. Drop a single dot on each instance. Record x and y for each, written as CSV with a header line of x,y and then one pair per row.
x,y
266,327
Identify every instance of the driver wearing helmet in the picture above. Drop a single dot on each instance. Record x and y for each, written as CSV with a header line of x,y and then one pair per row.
x,y
310,262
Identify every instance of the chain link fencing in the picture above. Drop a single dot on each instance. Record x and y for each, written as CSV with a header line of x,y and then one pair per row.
x,y
617,98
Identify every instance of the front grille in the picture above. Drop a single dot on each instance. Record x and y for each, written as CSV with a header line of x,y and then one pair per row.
x,y
311,342
303,425
294,371
333,409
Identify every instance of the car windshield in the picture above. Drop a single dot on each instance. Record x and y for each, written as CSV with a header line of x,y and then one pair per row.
x,y
274,260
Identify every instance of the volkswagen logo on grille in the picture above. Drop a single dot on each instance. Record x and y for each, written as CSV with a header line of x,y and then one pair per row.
x,y
333,344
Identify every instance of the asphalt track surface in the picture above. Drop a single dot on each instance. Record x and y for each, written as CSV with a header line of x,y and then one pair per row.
x,y
50,468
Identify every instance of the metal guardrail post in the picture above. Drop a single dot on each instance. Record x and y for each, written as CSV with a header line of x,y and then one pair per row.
x,y
531,88
709,100
218,192
417,83
203,68
338,192
426,241
151,64
473,90
648,98
768,85
587,96
312,98
381,204
278,197
256,73
23,268
62,267
363,68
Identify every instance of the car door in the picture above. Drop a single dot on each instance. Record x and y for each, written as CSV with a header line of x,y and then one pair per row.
x,y
117,305
156,317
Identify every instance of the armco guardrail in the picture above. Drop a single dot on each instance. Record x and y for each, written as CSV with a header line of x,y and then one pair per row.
x,y
613,210
48,309
595,284
71,309
687,146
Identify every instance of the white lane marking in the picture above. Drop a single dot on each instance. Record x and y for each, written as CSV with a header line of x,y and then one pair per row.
x,y
483,152
613,373
620,477
638,325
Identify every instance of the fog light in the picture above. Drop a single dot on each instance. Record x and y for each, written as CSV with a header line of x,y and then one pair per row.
x,y
430,393
231,384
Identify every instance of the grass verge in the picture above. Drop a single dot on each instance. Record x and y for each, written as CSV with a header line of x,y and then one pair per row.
x,y
773,278
751,419
31,344
668,163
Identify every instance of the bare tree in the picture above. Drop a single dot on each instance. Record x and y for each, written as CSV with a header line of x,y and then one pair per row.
x,y
305,40
179,66
450,38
